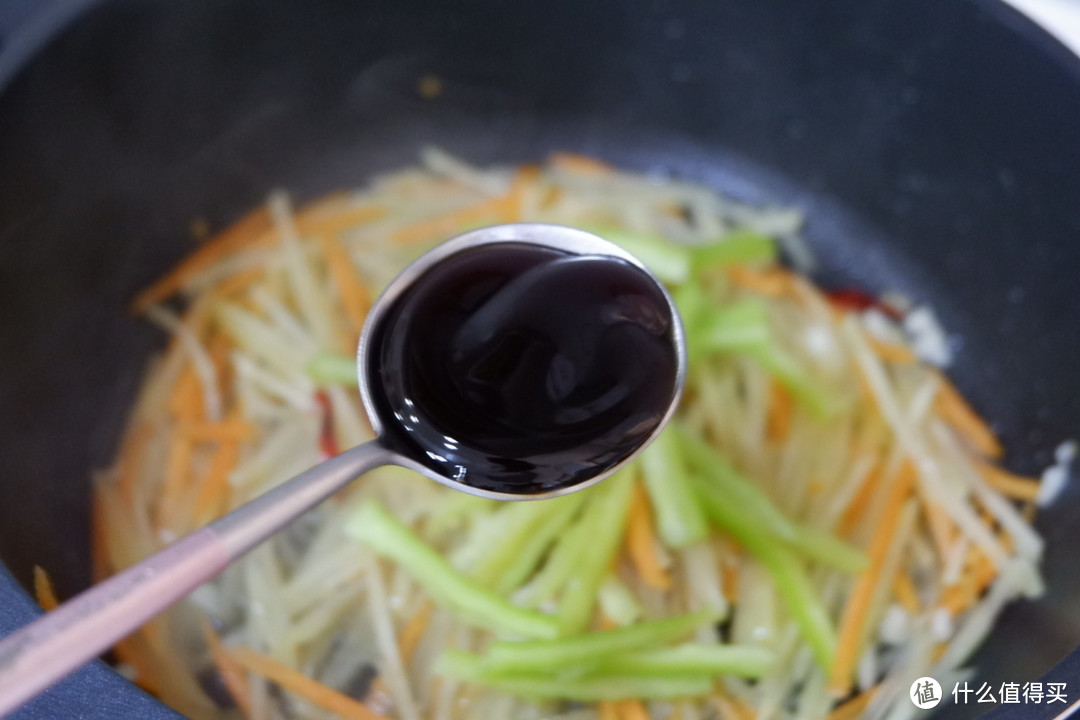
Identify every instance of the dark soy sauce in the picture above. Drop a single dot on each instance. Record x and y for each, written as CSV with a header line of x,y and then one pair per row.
x,y
521,369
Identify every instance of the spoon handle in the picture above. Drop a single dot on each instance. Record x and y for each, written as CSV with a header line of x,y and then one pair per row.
x,y
57,643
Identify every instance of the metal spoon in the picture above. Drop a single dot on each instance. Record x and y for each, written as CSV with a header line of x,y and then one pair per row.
x,y
49,648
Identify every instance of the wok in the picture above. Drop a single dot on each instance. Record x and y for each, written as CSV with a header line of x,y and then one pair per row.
x,y
934,147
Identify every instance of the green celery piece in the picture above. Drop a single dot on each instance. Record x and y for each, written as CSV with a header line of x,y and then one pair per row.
x,y
742,247
387,536
666,260
618,602
748,661
561,564
331,368
740,492
545,686
606,516
531,552
588,648
743,327
787,572
679,517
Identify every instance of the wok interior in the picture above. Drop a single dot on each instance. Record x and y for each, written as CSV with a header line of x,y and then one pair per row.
x,y
929,146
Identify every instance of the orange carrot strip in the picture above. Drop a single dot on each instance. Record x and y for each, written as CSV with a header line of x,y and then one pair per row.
x,y
608,710
855,616
641,542
235,284
134,652
632,710
232,429
729,574
491,210
295,681
1009,484
232,674
186,399
905,592
732,708
579,164
956,411
524,178
860,504
355,298
774,282
43,589
250,230
213,497
781,409
315,222
891,352
413,631
941,527
854,707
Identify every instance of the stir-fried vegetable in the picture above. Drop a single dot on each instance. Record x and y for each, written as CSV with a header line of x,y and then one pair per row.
x,y
824,519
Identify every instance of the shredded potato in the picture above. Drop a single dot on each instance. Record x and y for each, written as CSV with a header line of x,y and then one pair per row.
x,y
825,517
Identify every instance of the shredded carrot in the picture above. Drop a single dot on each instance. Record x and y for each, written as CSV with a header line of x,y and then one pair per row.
x,y
772,281
631,710
891,352
525,177
43,589
232,429
579,164
133,652
729,574
491,210
241,281
853,708
781,409
956,411
978,574
413,631
186,399
232,674
607,710
905,592
127,463
860,504
855,616
213,496
295,681
941,527
355,298
250,230
641,542
1009,484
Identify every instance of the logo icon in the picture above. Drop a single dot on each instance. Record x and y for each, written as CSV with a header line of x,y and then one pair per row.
x,y
925,693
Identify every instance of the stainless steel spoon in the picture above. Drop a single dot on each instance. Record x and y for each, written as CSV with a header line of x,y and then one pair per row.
x,y
54,645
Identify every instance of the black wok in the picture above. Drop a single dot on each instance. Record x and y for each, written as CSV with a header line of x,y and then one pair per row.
x,y
935,147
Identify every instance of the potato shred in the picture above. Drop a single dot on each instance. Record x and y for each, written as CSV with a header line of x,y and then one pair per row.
x,y
825,520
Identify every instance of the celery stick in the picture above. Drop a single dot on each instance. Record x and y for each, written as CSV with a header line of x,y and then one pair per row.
x,y
618,602
666,260
742,247
740,492
749,661
679,517
790,577
561,564
331,368
552,655
591,688
532,550
606,515
385,535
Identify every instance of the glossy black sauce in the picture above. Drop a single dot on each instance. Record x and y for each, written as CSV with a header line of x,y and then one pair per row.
x,y
520,369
